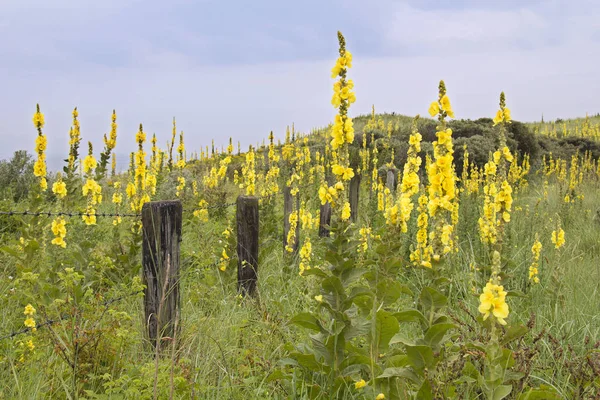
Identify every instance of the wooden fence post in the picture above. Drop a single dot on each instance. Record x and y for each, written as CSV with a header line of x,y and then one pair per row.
x,y
390,182
288,207
161,227
325,220
354,196
247,244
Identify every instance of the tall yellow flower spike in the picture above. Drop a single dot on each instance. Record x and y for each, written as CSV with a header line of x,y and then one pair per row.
x,y
39,167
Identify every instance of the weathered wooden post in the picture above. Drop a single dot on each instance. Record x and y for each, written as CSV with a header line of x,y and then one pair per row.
x,y
161,230
247,244
390,182
354,196
288,208
324,219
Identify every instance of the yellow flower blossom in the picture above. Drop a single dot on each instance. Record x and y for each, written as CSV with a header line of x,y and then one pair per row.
x,y
59,188
360,384
493,301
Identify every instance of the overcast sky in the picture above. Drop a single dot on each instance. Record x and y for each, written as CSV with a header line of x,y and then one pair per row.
x,y
243,68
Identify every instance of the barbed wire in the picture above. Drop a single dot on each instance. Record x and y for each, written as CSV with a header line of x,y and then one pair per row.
x,y
104,304
51,322
113,215
66,214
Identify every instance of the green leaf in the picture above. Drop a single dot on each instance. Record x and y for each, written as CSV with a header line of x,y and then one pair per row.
x,y
405,373
307,361
277,375
319,348
513,376
314,391
358,328
355,359
389,291
333,286
515,293
394,263
307,320
387,327
358,291
469,370
398,361
11,251
436,333
425,392
544,392
351,275
411,315
401,338
501,392
382,249
514,332
315,272
420,356
431,300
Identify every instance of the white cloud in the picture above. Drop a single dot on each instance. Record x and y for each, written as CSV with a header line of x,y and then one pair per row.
x,y
459,29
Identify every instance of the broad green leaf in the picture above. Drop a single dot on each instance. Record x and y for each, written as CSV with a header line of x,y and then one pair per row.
x,y
425,391
389,291
11,251
436,333
307,361
544,392
387,327
410,315
315,272
398,361
307,320
470,371
277,375
405,373
319,348
314,391
501,392
431,300
358,328
355,360
401,338
351,275
420,356
514,332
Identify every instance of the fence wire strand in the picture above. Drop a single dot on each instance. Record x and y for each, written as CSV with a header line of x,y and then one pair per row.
x,y
123,215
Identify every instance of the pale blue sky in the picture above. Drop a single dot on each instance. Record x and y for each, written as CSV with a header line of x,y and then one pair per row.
x,y
242,68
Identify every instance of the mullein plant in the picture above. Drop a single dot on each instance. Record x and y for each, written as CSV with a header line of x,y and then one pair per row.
x,y
497,189
74,142
171,144
180,166
270,186
442,180
117,200
342,134
41,142
59,188
137,190
399,214
91,190
110,143
496,214
249,173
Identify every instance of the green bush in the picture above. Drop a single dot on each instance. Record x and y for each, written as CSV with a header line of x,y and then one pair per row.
x,y
16,176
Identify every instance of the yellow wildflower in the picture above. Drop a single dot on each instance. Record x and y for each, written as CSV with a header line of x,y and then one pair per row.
x,y
493,300
360,384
